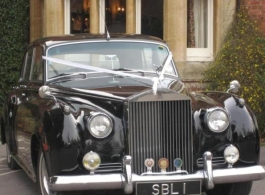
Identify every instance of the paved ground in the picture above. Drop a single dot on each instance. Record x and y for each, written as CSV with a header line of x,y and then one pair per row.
x,y
18,183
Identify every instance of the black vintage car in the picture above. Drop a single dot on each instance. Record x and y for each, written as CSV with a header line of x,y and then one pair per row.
x,y
109,112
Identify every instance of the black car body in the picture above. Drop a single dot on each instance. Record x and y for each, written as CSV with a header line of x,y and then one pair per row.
x,y
99,112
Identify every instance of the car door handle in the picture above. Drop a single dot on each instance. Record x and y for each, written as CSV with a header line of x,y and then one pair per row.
x,y
22,86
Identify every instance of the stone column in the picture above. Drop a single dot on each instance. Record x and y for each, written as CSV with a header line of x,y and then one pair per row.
x,y
94,16
223,16
53,17
130,17
175,28
35,19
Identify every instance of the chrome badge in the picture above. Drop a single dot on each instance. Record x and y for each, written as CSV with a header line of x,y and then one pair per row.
x,y
178,163
149,163
163,164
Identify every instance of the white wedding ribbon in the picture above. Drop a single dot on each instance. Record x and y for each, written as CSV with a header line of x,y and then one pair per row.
x,y
155,80
87,67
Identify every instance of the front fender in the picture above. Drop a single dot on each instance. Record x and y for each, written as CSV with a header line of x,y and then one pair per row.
x,y
242,132
59,141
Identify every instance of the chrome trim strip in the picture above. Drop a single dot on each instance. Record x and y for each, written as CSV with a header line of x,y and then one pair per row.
x,y
99,40
216,161
165,173
108,170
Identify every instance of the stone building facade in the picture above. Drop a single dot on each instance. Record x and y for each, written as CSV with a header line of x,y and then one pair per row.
x,y
193,29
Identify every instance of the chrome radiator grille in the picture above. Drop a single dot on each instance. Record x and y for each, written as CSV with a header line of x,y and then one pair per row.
x,y
160,129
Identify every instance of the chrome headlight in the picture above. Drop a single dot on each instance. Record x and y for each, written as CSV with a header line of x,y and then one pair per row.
x,y
100,125
217,120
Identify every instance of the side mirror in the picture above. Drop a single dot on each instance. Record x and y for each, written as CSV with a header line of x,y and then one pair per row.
x,y
234,87
44,91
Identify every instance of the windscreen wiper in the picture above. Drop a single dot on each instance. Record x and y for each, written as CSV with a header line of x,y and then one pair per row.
x,y
123,69
67,76
92,68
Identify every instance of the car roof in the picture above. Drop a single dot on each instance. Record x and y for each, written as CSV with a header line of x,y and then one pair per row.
x,y
53,40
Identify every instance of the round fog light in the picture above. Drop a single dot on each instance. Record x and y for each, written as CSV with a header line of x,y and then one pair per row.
x,y
231,154
91,161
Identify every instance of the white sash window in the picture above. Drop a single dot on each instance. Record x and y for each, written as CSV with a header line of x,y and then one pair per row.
x,y
200,30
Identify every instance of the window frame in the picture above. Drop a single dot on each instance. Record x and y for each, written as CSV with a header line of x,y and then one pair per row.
x,y
204,54
102,25
138,14
36,65
27,64
67,14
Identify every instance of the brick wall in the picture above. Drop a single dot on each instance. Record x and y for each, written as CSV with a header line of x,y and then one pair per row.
x,y
257,11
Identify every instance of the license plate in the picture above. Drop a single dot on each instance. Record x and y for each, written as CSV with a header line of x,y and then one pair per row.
x,y
169,188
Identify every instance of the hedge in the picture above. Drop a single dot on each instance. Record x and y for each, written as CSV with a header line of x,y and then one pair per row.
x,y
14,34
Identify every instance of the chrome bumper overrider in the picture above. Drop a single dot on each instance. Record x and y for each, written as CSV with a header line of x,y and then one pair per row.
x,y
128,180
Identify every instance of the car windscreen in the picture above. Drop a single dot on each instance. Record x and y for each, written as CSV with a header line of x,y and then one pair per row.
x,y
108,55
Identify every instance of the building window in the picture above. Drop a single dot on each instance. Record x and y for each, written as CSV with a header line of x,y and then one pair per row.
x,y
115,16
152,17
77,16
200,30
112,15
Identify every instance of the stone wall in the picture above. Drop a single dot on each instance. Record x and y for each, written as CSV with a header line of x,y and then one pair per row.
x,y
191,74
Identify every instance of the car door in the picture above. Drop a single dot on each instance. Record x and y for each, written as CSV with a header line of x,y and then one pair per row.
x,y
27,117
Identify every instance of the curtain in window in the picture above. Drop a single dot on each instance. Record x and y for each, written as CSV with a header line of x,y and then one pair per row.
x,y
191,26
197,23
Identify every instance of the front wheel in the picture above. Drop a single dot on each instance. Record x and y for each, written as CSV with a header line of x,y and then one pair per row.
x,y
42,175
243,188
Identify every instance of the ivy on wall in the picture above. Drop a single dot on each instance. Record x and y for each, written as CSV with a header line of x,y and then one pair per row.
x,y
242,58
14,36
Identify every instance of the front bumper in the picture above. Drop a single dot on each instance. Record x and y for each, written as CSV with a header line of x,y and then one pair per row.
x,y
128,180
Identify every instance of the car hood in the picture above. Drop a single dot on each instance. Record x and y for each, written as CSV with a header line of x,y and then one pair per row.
x,y
121,88
113,87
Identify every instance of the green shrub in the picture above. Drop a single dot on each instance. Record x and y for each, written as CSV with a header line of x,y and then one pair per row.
x,y
14,25
242,58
